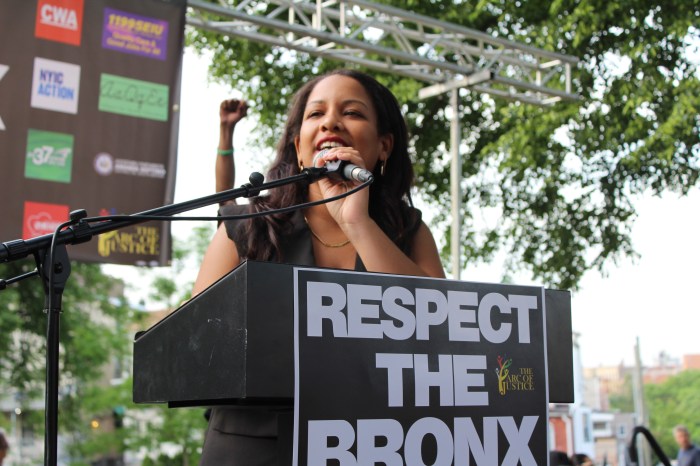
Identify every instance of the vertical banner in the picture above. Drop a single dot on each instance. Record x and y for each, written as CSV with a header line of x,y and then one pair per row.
x,y
411,371
89,93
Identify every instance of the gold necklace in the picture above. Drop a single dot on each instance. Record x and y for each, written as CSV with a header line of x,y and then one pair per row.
x,y
328,245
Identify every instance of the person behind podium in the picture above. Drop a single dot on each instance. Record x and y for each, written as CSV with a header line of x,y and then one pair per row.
x,y
377,229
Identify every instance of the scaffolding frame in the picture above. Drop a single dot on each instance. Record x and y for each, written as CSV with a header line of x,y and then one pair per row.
x,y
445,56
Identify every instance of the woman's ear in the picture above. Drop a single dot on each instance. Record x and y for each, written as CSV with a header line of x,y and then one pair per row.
x,y
386,145
296,147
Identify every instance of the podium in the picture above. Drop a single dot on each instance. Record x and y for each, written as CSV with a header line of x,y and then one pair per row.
x,y
363,355
234,344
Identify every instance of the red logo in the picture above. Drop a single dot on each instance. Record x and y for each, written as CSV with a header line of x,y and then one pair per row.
x,y
41,219
59,20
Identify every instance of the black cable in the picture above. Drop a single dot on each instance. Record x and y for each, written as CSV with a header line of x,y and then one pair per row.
x,y
232,217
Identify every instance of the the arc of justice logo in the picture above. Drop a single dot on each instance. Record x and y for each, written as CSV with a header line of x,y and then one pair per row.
x,y
510,380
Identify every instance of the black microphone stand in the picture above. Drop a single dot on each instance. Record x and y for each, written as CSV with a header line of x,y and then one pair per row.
x,y
53,265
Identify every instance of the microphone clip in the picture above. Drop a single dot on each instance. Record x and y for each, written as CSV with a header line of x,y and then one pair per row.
x,y
314,173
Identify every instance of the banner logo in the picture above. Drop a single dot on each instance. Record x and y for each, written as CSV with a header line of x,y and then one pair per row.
x,y
49,156
41,219
140,241
59,20
502,373
106,165
55,85
522,380
3,69
133,97
139,35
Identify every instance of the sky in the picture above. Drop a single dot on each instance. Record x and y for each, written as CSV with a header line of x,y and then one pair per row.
x,y
653,297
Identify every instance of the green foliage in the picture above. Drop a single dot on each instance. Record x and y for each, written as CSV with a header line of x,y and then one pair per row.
x,y
91,327
173,285
93,333
624,400
97,327
676,401
183,427
144,428
560,182
97,402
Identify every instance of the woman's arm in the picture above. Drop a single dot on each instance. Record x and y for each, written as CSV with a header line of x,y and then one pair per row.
x,y
221,257
425,252
230,113
379,253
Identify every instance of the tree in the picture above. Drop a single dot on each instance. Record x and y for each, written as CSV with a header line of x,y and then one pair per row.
x,y
623,400
97,328
92,334
168,436
558,184
173,285
675,401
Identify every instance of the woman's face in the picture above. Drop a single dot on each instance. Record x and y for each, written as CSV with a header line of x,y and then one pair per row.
x,y
340,113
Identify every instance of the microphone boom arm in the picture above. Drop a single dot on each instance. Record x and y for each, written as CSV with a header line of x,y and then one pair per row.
x,y
82,231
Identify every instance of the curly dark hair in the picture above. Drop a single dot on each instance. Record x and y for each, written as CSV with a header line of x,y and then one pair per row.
x,y
389,202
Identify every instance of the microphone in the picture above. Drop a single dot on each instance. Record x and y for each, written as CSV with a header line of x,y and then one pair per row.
x,y
344,170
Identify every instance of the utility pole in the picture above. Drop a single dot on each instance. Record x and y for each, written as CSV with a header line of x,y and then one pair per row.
x,y
643,453
455,185
456,159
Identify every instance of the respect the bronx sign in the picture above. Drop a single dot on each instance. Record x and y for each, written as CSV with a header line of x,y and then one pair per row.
x,y
395,370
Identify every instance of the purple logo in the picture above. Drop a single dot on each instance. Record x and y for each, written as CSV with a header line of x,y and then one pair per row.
x,y
130,33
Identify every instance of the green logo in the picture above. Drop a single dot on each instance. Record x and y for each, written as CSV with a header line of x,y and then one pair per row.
x,y
133,97
49,156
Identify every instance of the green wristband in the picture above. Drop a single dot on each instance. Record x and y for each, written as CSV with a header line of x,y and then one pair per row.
x,y
225,152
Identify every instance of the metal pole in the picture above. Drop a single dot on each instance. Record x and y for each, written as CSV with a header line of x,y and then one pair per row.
x,y
455,182
15,428
17,425
644,454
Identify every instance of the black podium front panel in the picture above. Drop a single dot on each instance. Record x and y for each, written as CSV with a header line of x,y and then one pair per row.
x,y
234,343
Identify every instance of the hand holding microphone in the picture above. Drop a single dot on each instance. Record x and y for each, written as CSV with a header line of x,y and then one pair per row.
x,y
343,170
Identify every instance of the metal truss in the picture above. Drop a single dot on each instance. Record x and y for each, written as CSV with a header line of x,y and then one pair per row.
x,y
392,40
